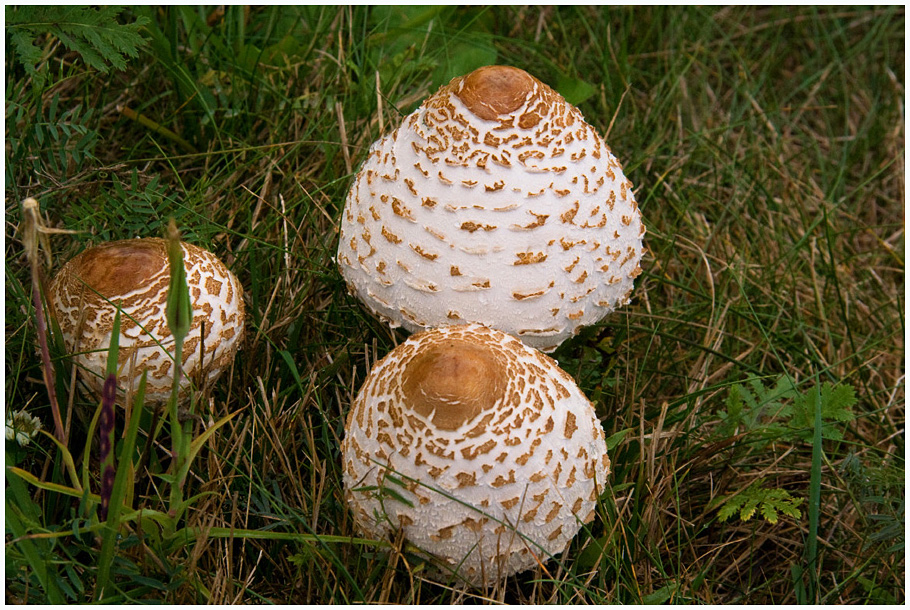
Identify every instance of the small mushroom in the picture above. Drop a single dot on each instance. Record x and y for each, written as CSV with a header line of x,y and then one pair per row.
x,y
135,274
479,449
494,202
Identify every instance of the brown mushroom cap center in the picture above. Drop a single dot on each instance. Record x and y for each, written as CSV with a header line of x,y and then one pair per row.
x,y
453,382
121,267
494,90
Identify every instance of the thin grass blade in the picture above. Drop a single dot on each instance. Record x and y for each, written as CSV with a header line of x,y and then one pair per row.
x,y
67,459
179,313
56,487
815,486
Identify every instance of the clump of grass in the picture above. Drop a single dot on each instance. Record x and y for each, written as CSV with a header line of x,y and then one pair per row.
x,y
766,146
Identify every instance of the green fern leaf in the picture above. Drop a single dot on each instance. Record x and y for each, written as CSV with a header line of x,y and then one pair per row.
x,y
748,510
23,47
836,404
754,407
769,512
756,498
790,509
779,411
730,508
94,33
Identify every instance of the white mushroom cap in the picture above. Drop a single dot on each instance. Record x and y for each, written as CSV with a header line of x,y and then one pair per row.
x,y
84,296
491,456
494,202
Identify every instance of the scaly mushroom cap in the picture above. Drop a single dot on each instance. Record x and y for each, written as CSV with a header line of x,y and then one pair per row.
x,y
135,273
494,202
481,450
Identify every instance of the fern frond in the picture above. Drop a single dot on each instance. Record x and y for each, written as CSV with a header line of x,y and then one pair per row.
x,y
94,33
837,403
770,503
780,411
23,46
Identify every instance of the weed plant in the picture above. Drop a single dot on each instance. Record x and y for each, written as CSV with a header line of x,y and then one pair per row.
x,y
752,392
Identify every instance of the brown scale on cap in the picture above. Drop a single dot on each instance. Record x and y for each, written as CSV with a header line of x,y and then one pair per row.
x,y
133,260
494,90
452,383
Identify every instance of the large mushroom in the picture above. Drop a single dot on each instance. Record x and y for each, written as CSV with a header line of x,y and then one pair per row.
x,y
135,274
479,449
494,202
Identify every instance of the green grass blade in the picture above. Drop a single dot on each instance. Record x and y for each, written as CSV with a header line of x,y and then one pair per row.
x,y
113,352
189,534
86,459
179,313
55,487
194,449
179,308
67,459
815,486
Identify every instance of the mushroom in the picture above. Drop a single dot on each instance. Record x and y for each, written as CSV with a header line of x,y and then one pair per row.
x,y
135,274
480,450
494,202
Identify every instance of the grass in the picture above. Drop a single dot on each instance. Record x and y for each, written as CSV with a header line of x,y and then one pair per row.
x,y
767,151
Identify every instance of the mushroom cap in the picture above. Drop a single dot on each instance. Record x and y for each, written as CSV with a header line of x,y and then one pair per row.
x,y
84,294
479,449
494,202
